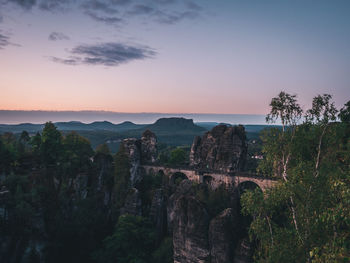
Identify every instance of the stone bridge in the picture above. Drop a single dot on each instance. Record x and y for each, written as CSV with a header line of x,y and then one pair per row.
x,y
214,178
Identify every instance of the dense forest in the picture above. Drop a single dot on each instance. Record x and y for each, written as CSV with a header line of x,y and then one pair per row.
x,y
62,201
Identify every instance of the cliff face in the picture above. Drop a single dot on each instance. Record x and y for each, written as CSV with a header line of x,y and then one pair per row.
x,y
149,150
190,233
140,151
224,149
202,237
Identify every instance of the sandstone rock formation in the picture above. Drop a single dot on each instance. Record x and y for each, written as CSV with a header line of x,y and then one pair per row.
x,y
222,149
140,151
158,213
132,205
190,235
132,148
149,150
222,236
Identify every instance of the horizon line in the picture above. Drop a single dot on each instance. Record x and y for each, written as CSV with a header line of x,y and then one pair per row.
x,y
120,112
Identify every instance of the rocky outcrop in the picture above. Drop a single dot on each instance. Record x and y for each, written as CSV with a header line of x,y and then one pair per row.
x,y
222,236
149,150
158,213
224,149
132,205
184,189
140,151
190,235
132,148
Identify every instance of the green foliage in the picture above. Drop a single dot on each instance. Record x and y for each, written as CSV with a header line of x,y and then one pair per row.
x,y
306,217
76,155
148,184
344,114
164,253
177,156
132,242
51,145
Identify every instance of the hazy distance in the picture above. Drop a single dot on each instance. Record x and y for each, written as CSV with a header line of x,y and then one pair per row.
x,y
16,117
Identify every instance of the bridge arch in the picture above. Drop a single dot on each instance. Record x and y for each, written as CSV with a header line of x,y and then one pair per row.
x,y
247,185
177,177
207,179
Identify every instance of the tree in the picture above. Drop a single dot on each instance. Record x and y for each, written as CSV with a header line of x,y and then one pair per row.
x,y
132,242
51,145
344,114
177,156
315,197
77,152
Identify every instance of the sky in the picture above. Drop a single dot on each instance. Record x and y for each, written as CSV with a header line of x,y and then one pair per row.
x,y
171,56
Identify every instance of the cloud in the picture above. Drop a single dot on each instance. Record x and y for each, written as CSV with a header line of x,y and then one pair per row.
x,y
109,20
167,18
114,12
4,41
26,4
54,5
141,10
54,36
96,5
165,1
193,6
106,54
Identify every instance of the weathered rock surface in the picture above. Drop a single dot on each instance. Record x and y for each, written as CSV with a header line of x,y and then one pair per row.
x,y
243,252
149,150
190,235
140,151
184,188
158,213
132,148
222,149
222,236
132,205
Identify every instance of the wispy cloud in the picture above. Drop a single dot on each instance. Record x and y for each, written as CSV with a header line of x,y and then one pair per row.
x,y
4,41
106,54
109,20
113,12
193,6
26,4
141,10
55,36
172,18
102,6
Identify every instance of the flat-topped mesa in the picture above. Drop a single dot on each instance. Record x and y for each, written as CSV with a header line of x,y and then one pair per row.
x,y
223,149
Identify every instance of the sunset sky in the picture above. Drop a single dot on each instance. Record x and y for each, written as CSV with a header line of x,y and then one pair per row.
x,y
171,56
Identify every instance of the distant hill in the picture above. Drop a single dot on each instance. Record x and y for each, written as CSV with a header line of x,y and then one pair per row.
x,y
171,131
174,125
72,126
